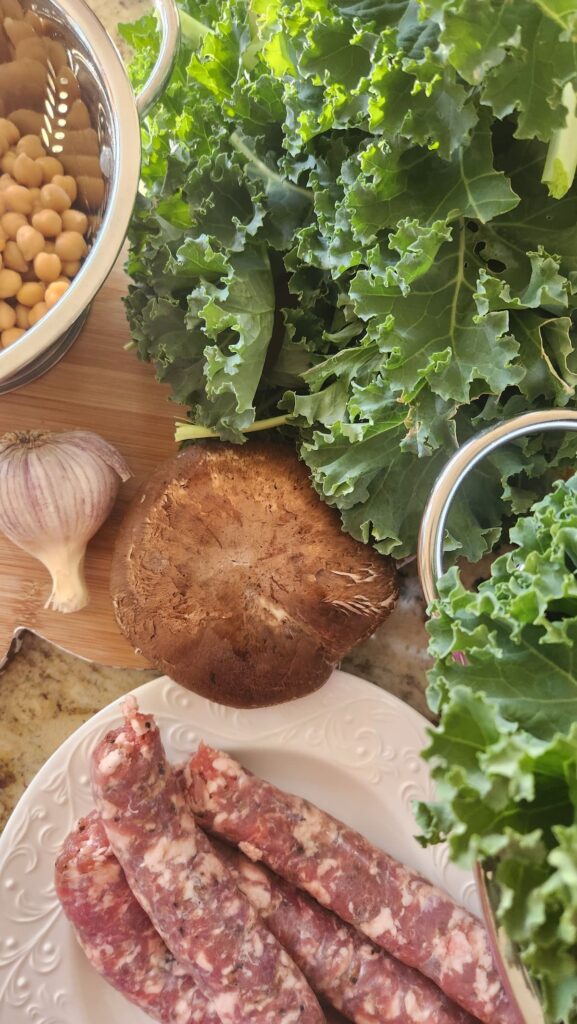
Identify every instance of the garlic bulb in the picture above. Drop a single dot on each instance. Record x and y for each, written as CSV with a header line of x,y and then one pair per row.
x,y
56,490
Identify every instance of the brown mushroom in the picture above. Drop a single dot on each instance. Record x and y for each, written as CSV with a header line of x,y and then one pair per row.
x,y
233,577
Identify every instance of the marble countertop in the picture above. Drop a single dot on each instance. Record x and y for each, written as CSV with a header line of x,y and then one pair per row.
x,y
45,694
111,12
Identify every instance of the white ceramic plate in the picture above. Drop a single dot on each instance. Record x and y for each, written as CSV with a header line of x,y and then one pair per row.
x,y
351,748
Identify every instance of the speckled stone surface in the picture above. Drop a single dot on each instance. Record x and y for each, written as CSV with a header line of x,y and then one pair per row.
x,y
46,694
111,12
396,656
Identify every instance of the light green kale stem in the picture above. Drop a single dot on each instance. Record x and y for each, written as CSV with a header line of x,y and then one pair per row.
x,y
192,30
191,432
265,171
561,162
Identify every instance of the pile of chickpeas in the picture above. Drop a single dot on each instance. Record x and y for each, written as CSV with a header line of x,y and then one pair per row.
x,y
43,229
42,241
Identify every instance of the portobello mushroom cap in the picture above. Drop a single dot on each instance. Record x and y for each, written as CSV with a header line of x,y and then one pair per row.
x,y
234,578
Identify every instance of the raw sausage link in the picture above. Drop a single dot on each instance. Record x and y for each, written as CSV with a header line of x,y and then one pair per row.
x,y
115,933
366,984
190,897
394,906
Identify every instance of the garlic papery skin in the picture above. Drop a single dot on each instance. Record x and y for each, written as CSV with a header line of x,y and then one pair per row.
x,y
56,491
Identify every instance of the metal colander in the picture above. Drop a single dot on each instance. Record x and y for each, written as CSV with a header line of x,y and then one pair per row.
x,y
106,158
431,541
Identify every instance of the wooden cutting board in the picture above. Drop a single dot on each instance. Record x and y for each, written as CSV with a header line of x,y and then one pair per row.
x,y
97,386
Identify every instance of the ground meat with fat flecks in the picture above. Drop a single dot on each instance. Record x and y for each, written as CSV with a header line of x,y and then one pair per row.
x,y
117,936
191,898
360,980
390,903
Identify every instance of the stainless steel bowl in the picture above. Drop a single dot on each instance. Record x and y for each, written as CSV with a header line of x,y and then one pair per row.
x,y
517,982
115,112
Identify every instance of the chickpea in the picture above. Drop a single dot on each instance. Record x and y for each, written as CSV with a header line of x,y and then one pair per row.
x,y
78,117
30,242
47,222
66,182
28,122
11,223
37,312
3,238
35,20
91,191
49,166
6,180
57,55
70,245
55,291
17,30
31,293
9,337
47,267
55,198
31,146
71,268
13,9
31,48
13,258
10,284
22,316
2,205
7,316
9,131
75,220
18,199
8,161
27,172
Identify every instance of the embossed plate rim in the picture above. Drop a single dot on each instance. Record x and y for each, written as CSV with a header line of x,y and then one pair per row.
x,y
359,741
